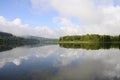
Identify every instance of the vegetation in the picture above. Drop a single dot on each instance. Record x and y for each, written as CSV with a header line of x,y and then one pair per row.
x,y
93,38
9,41
90,46
93,41
2,34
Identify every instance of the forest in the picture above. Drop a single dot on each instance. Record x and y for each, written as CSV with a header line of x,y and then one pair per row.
x,y
9,41
90,38
7,38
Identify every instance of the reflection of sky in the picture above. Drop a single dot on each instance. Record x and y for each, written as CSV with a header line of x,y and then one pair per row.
x,y
78,61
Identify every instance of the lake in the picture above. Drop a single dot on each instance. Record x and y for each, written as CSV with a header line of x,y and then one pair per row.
x,y
58,62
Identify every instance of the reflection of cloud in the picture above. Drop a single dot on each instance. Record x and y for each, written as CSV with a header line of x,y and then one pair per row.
x,y
88,70
17,62
23,53
106,60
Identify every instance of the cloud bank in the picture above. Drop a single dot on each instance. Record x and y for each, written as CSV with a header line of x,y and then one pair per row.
x,y
95,16
17,28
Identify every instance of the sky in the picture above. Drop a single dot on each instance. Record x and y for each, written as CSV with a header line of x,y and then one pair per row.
x,y
56,18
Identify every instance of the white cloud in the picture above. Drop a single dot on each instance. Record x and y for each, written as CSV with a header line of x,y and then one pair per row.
x,y
81,9
97,16
17,21
17,28
100,17
14,26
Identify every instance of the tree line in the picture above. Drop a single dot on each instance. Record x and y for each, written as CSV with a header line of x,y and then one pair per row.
x,y
91,38
9,41
7,38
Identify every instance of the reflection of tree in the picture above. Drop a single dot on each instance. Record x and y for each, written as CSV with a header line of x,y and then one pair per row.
x,y
92,46
9,41
5,47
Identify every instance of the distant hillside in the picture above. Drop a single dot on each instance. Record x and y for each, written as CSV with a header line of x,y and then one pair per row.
x,y
7,38
9,41
3,34
41,39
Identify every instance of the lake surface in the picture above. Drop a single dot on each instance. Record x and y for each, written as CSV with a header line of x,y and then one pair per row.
x,y
52,62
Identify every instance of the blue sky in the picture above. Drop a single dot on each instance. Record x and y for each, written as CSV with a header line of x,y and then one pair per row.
x,y
55,18
12,9
22,9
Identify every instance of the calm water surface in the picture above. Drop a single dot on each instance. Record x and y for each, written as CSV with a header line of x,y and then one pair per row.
x,y
56,63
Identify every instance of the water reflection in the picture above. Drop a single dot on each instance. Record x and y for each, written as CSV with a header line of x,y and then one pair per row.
x,y
5,48
55,63
92,46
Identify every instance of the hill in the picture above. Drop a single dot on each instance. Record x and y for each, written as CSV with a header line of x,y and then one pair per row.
x,y
7,38
9,41
3,34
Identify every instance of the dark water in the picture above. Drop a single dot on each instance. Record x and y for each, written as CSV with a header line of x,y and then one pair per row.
x,y
59,63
